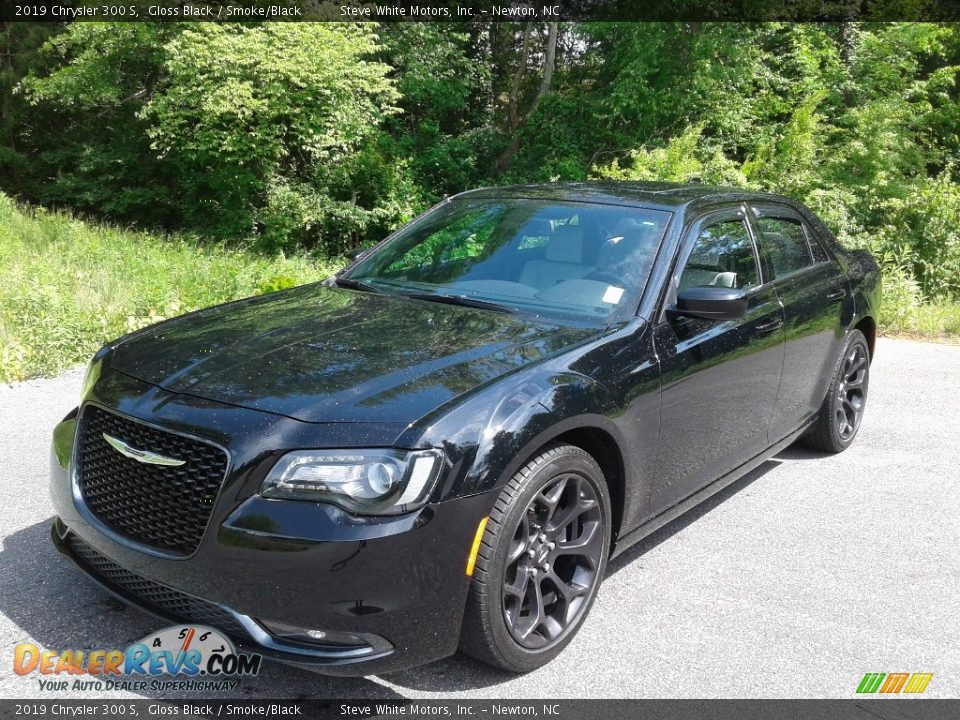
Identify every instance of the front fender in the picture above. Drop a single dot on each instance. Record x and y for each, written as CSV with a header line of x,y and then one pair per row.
x,y
489,438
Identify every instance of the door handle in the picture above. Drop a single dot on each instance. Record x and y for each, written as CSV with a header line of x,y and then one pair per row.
x,y
836,295
769,327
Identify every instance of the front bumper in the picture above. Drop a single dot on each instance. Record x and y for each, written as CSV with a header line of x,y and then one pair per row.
x,y
175,606
395,585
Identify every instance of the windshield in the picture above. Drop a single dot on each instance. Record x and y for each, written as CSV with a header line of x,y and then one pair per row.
x,y
547,258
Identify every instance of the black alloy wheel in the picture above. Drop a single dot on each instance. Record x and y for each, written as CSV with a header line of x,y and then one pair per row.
x,y
553,561
851,391
842,411
541,561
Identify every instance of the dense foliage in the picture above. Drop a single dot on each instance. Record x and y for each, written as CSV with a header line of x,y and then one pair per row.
x,y
323,137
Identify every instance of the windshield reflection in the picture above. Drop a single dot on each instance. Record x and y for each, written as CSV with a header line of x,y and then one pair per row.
x,y
517,254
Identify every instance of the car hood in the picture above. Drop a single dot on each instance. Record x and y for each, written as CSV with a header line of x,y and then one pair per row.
x,y
324,354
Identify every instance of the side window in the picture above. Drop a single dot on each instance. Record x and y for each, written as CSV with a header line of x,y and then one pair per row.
x,y
819,254
785,243
722,255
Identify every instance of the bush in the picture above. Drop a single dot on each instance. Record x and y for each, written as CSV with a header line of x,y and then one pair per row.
x,y
900,300
298,217
685,157
198,124
921,235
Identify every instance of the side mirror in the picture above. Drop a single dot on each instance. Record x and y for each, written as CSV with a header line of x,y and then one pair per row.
x,y
711,303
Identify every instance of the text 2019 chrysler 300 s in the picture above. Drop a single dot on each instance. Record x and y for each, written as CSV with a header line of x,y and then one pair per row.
x,y
441,447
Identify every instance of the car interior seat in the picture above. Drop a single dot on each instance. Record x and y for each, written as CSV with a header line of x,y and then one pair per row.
x,y
563,260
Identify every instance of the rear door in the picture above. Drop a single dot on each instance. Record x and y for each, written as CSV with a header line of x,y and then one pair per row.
x,y
719,378
812,288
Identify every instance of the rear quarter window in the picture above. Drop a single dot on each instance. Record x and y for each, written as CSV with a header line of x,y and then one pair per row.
x,y
784,241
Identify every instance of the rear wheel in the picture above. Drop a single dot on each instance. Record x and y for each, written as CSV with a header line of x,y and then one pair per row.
x,y
842,410
541,560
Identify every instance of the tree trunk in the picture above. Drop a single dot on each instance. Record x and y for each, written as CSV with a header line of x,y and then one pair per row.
x,y
517,121
518,78
847,39
549,60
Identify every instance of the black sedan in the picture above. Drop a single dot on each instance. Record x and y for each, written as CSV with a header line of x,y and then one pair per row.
x,y
441,447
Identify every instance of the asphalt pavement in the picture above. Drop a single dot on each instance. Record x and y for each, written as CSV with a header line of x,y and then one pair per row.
x,y
793,582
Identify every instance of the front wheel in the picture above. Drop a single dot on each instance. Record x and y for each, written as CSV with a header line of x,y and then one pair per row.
x,y
540,563
842,410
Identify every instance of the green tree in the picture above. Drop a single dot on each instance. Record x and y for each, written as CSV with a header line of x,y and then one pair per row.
x,y
444,85
221,116
330,135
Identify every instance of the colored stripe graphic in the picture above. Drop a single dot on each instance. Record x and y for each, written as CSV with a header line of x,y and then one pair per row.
x,y
918,682
893,683
870,682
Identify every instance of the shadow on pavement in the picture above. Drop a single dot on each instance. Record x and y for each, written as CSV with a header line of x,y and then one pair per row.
x,y
52,602
454,674
692,515
799,452
459,674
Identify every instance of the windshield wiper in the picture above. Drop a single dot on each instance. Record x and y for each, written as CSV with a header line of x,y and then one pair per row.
x,y
460,300
352,284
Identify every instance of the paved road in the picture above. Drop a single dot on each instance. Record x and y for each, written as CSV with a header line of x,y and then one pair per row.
x,y
793,582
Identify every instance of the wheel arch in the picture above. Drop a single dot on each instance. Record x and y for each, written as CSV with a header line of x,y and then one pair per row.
x,y
868,326
601,445
489,446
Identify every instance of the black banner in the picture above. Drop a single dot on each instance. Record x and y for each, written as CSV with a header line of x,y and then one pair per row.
x,y
902,709
476,10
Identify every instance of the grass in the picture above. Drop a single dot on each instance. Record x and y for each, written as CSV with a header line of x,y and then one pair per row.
x,y
905,313
68,286
932,321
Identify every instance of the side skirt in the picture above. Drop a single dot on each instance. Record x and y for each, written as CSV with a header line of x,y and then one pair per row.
x,y
655,523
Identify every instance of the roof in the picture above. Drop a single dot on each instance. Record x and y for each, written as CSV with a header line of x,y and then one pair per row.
x,y
648,194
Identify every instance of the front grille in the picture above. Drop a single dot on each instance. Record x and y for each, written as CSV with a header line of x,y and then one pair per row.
x,y
164,507
154,596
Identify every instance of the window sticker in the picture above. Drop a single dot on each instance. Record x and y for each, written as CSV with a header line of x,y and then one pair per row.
x,y
612,295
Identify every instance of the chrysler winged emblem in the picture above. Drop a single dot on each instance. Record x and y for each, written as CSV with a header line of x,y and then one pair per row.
x,y
144,456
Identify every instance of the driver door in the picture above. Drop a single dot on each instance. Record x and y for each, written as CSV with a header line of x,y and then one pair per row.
x,y
719,378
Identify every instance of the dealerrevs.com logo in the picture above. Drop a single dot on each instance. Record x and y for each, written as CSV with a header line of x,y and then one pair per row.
x,y
203,655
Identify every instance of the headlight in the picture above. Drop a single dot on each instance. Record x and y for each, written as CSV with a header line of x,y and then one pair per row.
x,y
374,482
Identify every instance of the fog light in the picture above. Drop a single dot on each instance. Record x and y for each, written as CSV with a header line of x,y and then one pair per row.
x,y
309,636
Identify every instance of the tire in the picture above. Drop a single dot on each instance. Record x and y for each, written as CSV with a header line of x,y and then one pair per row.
x,y
529,558
842,411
